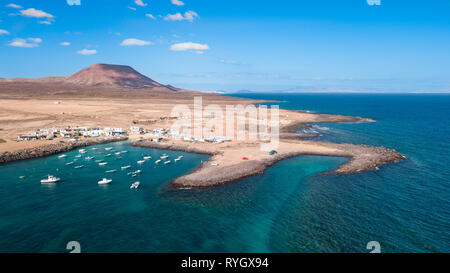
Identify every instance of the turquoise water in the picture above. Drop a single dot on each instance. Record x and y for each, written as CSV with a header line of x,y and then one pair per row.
x,y
296,206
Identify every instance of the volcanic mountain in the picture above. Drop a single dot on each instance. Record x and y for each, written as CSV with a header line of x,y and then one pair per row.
x,y
112,75
102,76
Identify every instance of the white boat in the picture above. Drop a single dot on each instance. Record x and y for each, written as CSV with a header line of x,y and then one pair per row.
x,y
147,157
98,161
109,149
123,152
94,149
141,162
104,181
90,157
62,156
51,179
111,171
118,153
135,185
177,159
118,158
82,151
70,163
125,167
167,162
78,156
164,157
103,163
79,167
157,161
108,155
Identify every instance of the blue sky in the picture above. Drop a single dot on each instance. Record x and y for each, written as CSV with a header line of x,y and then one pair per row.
x,y
398,46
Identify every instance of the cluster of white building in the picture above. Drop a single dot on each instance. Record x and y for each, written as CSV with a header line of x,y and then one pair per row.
x,y
76,132
158,134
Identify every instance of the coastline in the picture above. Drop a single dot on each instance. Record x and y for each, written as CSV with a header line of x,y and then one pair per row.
x,y
361,158
52,149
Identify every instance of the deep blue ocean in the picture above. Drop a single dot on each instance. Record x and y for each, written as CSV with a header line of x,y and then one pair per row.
x,y
296,206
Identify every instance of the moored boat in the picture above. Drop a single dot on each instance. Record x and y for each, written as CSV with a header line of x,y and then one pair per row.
x,y
135,185
50,179
104,181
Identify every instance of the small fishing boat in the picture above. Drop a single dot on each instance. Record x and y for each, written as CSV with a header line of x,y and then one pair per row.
x,y
104,181
62,156
78,156
82,151
98,161
147,157
103,163
89,157
157,161
109,149
164,157
94,149
141,162
118,153
51,179
177,159
111,171
167,162
135,185
79,167
124,152
70,163
125,167
118,158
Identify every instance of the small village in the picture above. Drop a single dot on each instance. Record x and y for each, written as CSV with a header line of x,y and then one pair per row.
x,y
74,134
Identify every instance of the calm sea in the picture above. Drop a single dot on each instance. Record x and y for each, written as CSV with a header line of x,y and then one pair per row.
x,y
296,206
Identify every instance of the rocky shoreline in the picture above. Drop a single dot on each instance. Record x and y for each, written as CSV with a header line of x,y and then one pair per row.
x,y
51,149
362,157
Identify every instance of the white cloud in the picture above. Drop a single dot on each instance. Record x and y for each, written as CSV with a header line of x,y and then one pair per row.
x,y
13,6
132,8
189,46
87,52
26,43
135,42
150,16
188,16
174,17
140,3
45,22
31,12
4,32
233,62
177,2
65,44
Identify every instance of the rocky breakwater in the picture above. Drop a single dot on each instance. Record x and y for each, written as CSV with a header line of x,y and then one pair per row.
x,y
51,149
